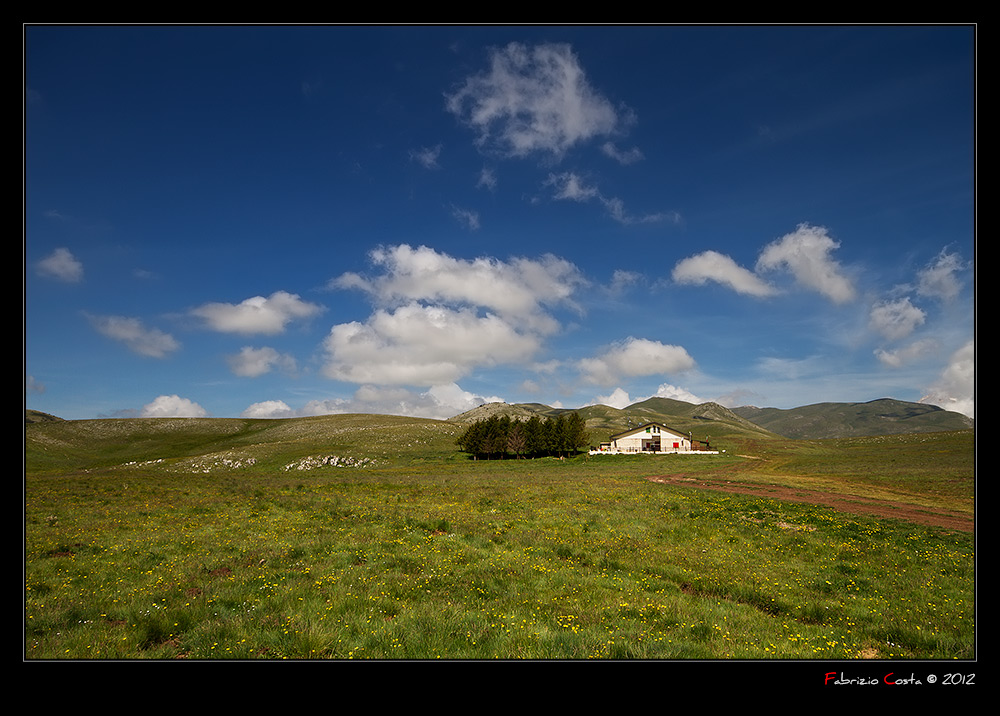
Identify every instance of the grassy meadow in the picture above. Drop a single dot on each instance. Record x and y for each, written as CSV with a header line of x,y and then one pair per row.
x,y
372,537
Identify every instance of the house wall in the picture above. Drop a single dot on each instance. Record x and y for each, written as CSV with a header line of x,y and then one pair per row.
x,y
633,442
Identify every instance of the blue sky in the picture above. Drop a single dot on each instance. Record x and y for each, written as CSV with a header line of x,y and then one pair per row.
x,y
290,221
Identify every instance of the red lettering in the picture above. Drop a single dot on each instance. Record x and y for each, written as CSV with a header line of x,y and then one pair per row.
x,y
829,675
886,679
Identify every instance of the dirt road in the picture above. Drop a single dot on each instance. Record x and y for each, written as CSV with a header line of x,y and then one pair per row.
x,y
845,503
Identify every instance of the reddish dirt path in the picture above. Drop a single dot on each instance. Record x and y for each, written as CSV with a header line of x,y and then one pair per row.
x,y
845,503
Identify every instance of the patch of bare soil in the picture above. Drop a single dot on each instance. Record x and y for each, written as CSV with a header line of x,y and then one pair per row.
x,y
845,503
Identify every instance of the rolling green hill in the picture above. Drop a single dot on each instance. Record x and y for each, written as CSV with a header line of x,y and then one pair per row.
x,y
706,422
839,420
201,443
37,416
205,444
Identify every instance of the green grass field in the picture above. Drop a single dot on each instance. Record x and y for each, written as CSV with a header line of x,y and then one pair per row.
x,y
367,537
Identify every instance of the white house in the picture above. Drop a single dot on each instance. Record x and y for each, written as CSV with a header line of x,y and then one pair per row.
x,y
654,438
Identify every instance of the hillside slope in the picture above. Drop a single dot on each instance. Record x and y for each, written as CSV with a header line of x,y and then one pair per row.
x,y
707,421
884,416
205,444
201,443
37,416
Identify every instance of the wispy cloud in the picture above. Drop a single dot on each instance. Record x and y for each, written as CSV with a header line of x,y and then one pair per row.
x,y
534,100
939,279
895,320
62,266
149,342
253,362
487,179
622,281
569,186
793,369
311,87
33,386
426,157
466,217
907,354
622,156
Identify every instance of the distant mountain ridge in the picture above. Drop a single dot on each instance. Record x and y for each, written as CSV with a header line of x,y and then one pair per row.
x,y
811,422
841,420
702,422
707,421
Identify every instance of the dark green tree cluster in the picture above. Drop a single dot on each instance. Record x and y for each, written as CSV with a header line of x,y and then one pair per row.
x,y
500,436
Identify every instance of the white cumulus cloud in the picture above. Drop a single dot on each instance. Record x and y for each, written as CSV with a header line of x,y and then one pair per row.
x,y
806,253
956,388
256,315
437,318
665,390
173,406
534,100
617,399
269,409
439,402
520,289
713,266
635,357
422,345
